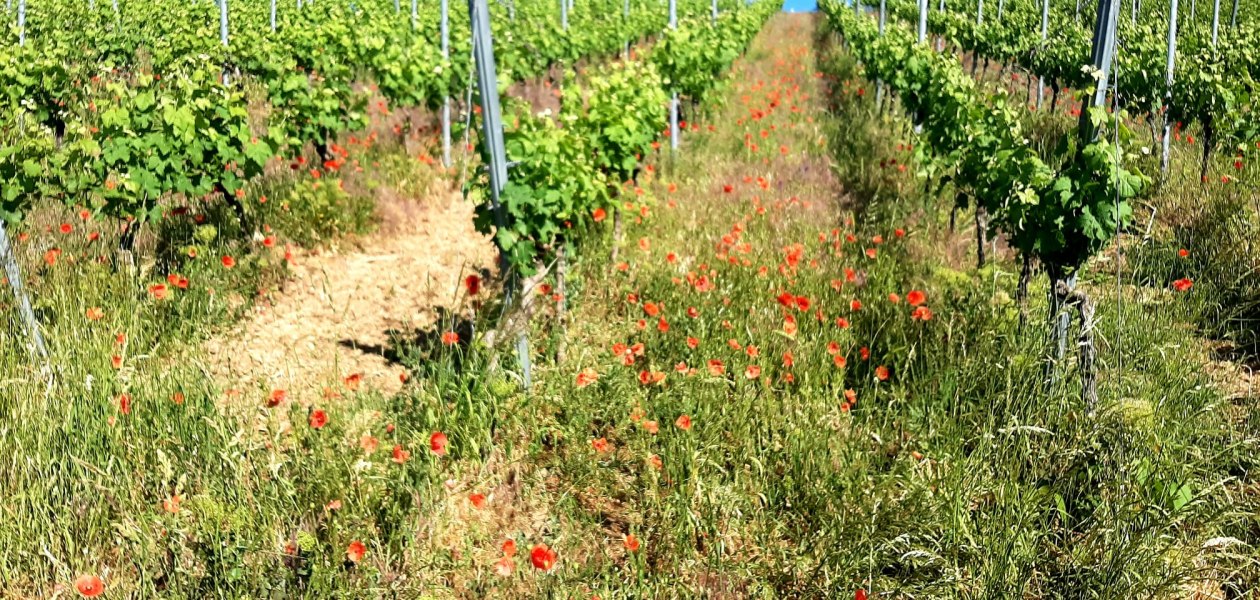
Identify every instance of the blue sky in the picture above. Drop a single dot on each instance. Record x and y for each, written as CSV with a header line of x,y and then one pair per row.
x,y
800,5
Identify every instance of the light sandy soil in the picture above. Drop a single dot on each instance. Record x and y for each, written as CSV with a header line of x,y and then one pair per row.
x,y
333,316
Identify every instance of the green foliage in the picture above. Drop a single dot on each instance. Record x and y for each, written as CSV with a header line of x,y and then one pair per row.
x,y
623,114
1061,215
553,186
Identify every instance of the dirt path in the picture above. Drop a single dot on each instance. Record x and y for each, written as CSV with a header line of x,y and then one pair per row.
x,y
332,318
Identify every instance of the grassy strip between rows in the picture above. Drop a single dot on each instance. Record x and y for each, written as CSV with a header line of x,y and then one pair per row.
x,y
779,391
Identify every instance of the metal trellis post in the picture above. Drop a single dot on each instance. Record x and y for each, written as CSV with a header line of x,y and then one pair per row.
x,y
879,85
1216,21
1168,82
11,270
1045,28
446,102
14,275
492,131
923,14
673,99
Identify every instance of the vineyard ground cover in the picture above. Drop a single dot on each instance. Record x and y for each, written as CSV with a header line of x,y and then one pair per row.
x,y
1217,215
856,410
1147,319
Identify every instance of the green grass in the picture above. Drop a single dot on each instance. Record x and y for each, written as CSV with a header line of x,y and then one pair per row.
x,y
963,474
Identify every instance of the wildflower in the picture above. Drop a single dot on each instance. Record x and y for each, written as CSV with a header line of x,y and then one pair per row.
x,y
881,373
632,543
599,215
472,285
89,586
1183,253
683,423
586,377
450,338
319,419
1183,284
915,298
228,262
95,313
355,551
716,368
171,505
600,445
400,455
921,313
437,443
542,557
752,372
504,567
276,397
477,500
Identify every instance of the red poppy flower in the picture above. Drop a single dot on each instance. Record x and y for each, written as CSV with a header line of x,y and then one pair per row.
x,y
400,455
915,297
855,305
437,443
542,557
600,444
277,397
124,403
355,551
1182,285
586,377
752,372
158,291
881,373
319,419
477,500
95,313
450,338
921,313
716,368
228,262
89,586
472,284
1183,253
683,423
599,215
632,543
